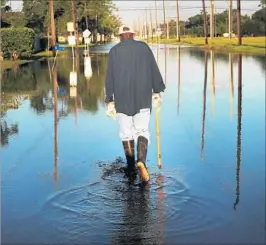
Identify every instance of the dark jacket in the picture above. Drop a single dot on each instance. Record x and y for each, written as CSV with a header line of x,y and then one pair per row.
x,y
132,76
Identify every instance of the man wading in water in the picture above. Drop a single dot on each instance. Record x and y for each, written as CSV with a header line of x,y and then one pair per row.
x,y
133,80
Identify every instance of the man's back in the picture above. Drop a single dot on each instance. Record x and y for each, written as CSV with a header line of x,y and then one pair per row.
x,y
132,76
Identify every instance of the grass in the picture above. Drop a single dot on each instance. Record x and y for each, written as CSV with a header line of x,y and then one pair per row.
x,y
252,45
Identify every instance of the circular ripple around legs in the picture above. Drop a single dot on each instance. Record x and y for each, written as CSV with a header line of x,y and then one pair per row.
x,y
111,205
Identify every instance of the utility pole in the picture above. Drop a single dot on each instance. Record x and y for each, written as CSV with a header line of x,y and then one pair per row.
x,y
151,25
177,22
239,22
156,20
230,19
74,22
205,22
167,29
146,24
51,9
87,23
164,22
211,19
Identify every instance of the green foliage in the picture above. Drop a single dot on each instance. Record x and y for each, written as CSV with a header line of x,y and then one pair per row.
x,y
17,40
13,19
98,15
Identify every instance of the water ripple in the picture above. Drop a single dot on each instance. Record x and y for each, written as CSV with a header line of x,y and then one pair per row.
x,y
166,208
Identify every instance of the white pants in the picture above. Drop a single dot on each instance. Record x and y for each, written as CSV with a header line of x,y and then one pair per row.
x,y
131,127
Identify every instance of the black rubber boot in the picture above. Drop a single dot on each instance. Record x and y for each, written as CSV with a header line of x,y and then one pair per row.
x,y
129,148
142,148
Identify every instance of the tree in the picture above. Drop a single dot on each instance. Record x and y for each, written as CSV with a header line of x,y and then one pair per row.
x,y
262,3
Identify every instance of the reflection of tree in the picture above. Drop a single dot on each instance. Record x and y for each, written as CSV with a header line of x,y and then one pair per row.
x,y
35,77
19,81
7,131
223,56
261,59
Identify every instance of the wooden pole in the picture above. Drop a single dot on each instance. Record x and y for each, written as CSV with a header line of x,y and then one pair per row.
x,y
146,25
211,19
230,19
205,22
151,25
51,8
177,22
164,21
156,21
239,23
74,18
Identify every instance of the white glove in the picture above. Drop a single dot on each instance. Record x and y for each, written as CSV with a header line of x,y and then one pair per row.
x,y
157,100
110,110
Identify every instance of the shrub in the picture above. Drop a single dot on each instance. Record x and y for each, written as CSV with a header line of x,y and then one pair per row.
x,y
17,42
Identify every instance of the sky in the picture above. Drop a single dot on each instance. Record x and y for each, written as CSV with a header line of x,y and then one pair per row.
x,y
130,10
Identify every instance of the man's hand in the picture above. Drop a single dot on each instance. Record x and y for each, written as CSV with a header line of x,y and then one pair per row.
x,y
110,110
157,100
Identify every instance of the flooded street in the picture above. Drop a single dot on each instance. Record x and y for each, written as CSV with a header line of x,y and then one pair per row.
x,y
61,155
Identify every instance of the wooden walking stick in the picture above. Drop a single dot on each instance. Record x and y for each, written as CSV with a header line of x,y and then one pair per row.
x,y
158,138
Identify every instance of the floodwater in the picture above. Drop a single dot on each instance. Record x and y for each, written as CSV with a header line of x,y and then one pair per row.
x,y
61,155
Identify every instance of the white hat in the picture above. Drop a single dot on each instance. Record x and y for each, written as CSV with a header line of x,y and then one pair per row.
x,y
125,29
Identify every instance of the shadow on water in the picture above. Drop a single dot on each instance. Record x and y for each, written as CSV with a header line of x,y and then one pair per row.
x,y
93,202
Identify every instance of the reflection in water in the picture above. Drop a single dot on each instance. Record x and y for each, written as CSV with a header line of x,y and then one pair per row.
x,y
213,83
165,65
136,226
7,131
179,80
90,213
87,67
160,210
55,89
239,129
231,72
204,103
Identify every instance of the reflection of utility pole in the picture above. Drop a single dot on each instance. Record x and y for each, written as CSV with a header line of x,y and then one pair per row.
x,y
239,22
204,103
52,24
55,86
231,71
179,80
213,82
177,22
239,129
205,22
